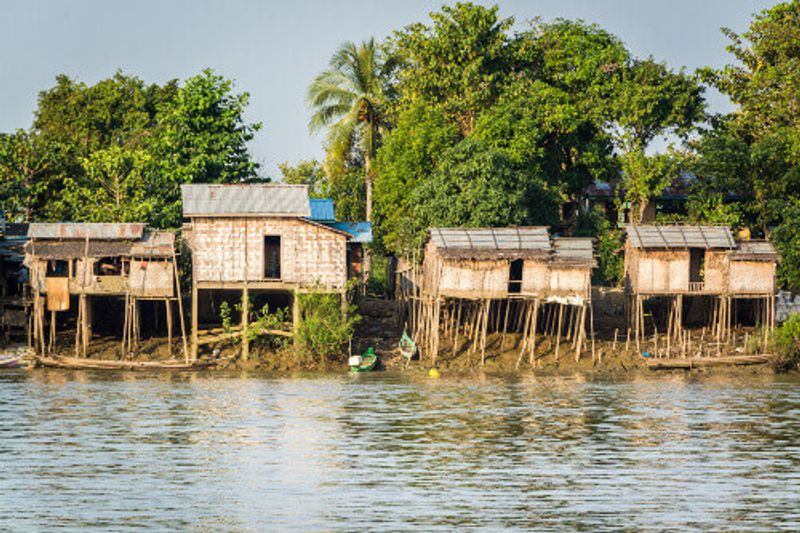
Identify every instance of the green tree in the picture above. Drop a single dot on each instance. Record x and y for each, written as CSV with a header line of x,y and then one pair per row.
x,y
111,187
651,101
349,100
459,63
201,137
307,172
346,191
475,186
408,157
25,160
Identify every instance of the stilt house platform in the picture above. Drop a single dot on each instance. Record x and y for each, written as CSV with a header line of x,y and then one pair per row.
x,y
257,240
704,264
90,264
475,281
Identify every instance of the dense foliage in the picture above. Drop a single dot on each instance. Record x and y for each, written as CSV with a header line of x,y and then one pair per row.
x,y
755,151
118,150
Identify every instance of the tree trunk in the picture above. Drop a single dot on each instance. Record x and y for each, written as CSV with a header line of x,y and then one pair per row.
x,y
368,186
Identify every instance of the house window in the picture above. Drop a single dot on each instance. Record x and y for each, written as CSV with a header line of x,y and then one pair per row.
x,y
272,257
57,268
515,276
108,266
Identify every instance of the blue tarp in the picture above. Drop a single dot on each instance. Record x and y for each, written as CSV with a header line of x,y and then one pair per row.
x,y
322,210
360,231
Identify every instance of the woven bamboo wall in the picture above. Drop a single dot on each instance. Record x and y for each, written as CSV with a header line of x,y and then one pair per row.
x,y
311,255
752,277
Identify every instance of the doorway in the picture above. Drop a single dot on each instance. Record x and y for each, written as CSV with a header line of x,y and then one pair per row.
x,y
272,257
515,276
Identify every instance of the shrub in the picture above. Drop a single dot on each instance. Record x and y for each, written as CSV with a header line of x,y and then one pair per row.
x,y
322,330
786,342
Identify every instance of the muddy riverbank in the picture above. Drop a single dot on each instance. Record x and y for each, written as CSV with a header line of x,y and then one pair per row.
x,y
611,353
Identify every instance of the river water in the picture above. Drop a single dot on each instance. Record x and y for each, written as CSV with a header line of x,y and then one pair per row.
x,y
381,452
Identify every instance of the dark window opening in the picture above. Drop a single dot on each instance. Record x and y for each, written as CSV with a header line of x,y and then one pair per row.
x,y
109,266
697,265
272,257
515,276
57,268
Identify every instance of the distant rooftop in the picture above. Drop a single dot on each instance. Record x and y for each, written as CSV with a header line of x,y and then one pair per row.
x,y
264,199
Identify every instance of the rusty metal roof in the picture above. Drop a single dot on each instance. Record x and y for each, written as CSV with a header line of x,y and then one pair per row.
x,y
679,236
82,230
253,199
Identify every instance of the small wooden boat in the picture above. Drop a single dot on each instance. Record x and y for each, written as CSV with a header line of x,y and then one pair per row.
x,y
364,363
685,363
55,361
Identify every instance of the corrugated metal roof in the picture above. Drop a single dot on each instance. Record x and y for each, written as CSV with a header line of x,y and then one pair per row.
x,y
322,210
679,236
82,230
253,199
574,250
535,238
755,251
359,231
485,243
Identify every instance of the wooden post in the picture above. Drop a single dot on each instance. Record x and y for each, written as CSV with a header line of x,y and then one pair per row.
x,y
178,291
505,328
591,331
168,316
558,333
457,327
245,323
532,355
295,315
195,320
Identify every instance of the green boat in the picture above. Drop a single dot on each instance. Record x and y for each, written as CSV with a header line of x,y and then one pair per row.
x,y
364,363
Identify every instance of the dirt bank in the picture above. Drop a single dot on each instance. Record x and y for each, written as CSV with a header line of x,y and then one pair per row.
x,y
379,329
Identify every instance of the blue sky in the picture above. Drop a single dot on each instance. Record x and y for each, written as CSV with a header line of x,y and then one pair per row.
x,y
273,49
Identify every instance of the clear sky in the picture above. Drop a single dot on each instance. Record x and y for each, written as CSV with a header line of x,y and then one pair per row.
x,y
274,48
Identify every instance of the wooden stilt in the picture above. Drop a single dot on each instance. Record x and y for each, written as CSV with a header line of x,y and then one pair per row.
x,y
558,334
532,356
168,316
245,323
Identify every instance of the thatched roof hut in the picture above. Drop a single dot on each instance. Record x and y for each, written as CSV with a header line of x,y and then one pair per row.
x,y
683,259
507,262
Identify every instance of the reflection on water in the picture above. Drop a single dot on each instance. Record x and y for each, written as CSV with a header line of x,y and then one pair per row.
x,y
381,452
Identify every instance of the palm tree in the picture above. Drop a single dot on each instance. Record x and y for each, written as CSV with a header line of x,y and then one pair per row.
x,y
349,100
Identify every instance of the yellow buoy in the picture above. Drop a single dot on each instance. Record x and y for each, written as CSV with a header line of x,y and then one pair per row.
x,y
433,373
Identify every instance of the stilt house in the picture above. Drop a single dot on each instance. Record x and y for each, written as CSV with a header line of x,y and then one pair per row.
x,y
503,277
683,261
259,239
15,297
81,264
